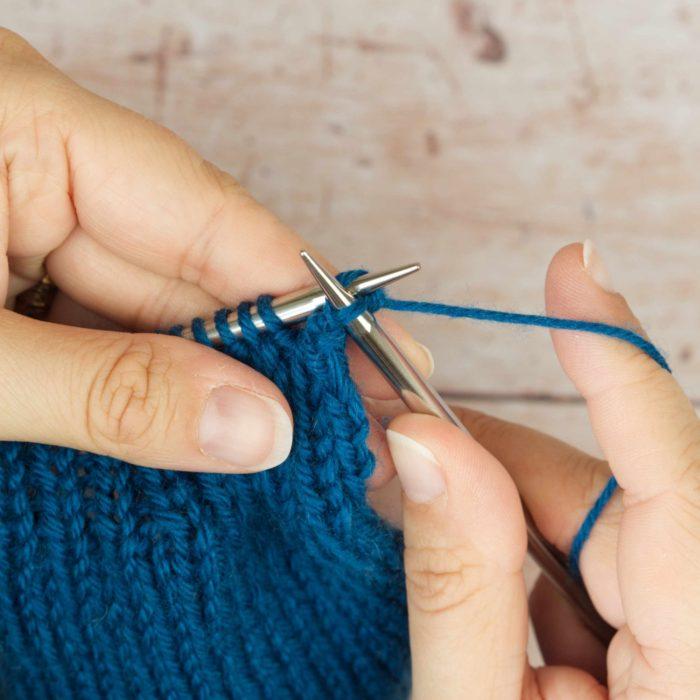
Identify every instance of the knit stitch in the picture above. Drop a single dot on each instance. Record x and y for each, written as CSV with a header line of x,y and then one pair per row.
x,y
119,581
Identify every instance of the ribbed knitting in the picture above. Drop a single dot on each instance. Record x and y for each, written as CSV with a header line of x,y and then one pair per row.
x,y
118,581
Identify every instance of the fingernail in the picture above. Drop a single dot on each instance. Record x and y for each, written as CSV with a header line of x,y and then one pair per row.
x,y
418,470
245,430
593,264
429,359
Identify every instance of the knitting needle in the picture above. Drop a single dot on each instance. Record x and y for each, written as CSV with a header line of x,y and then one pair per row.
x,y
296,306
420,397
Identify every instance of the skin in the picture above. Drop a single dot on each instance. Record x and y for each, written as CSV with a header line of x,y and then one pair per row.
x,y
139,232
468,609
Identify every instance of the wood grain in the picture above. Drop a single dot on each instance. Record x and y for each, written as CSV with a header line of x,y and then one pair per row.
x,y
474,137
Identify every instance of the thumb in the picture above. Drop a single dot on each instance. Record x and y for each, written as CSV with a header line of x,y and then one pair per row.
x,y
465,544
153,400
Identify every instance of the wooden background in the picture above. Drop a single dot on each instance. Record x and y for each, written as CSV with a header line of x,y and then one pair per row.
x,y
474,137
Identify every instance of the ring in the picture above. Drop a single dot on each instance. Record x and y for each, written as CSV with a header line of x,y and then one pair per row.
x,y
36,301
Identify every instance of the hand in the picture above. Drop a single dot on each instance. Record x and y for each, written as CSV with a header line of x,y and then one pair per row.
x,y
465,535
139,233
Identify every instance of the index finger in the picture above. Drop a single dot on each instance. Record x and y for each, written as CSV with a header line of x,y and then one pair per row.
x,y
136,224
644,423
650,434
77,162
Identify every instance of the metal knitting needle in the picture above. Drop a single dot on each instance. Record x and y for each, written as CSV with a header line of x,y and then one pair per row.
x,y
420,397
296,306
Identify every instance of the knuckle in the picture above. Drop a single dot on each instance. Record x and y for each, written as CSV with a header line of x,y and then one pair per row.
x,y
441,579
30,89
226,201
684,510
198,259
15,51
129,401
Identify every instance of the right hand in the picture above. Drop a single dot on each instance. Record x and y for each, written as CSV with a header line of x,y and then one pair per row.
x,y
137,229
465,533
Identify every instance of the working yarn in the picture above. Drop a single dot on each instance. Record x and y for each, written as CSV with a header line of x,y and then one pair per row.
x,y
119,581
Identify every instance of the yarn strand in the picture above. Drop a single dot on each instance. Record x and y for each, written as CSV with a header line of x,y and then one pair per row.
x,y
380,300
127,581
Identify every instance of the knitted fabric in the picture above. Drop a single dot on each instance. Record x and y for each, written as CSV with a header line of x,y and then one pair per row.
x,y
119,581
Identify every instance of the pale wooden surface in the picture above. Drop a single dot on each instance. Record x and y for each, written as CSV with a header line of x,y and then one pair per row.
x,y
476,138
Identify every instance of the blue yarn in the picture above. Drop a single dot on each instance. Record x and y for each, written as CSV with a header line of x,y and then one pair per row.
x,y
379,300
554,323
119,581
584,532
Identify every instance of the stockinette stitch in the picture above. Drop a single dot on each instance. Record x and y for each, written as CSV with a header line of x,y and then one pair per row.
x,y
120,581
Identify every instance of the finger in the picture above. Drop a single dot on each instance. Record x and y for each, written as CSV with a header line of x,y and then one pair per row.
x,y
371,383
69,313
556,481
559,484
151,301
563,683
148,302
64,310
563,638
644,423
650,434
152,400
465,544
137,189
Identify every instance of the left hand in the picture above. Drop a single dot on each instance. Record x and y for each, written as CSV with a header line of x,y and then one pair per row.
x,y
139,232
465,534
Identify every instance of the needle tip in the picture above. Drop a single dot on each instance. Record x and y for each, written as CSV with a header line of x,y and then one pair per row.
x,y
336,293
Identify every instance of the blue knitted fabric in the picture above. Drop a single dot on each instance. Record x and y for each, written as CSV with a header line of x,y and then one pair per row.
x,y
119,581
